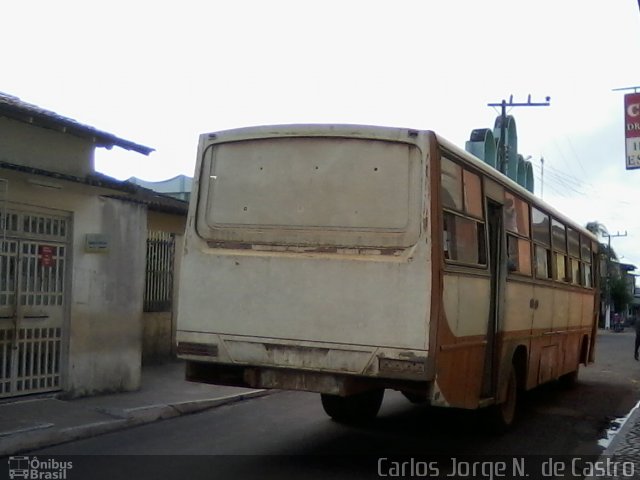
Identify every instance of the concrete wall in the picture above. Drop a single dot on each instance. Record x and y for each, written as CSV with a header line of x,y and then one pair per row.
x,y
104,309
106,313
157,336
32,146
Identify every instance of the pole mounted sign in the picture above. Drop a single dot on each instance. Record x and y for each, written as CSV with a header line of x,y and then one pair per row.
x,y
632,129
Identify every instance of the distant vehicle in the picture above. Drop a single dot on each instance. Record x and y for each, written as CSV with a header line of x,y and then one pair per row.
x,y
347,260
618,323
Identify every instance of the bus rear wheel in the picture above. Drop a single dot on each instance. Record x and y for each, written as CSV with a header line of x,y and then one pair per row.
x,y
416,398
357,408
569,380
503,415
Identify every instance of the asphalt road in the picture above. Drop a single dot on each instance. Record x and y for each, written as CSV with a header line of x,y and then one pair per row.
x,y
282,435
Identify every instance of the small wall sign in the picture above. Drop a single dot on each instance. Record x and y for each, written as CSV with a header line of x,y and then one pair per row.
x,y
96,243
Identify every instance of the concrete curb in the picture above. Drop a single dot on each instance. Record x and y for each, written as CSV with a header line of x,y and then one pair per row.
x,y
123,418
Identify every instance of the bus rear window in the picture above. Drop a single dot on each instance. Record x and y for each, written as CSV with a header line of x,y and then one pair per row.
x,y
298,190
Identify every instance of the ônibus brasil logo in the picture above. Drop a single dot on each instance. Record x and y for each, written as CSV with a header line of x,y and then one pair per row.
x,y
32,468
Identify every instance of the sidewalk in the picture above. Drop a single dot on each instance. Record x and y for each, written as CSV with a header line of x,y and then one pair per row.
x,y
31,423
624,447
625,444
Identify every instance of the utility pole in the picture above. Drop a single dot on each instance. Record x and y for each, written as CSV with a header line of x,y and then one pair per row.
x,y
502,145
541,177
607,321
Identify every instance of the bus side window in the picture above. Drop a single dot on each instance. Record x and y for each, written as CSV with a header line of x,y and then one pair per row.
x,y
585,254
559,240
512,253
542,238
464,240
446,239
573,242
516,223
518,255
543,262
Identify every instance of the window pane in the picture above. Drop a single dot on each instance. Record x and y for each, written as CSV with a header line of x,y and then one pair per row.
x,y
472,194
542,258
559,235
574,243
561,267
519,255
464,240
540,222
516,214
451,179
575,271
587,280
585,249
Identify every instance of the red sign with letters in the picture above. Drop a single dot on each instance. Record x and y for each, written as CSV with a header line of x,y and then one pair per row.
x,y
45,255
632,129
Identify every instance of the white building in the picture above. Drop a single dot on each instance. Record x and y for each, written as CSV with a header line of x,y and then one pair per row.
x,y
72,257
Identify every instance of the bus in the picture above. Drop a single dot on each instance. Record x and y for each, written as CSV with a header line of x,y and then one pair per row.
x,y
346,260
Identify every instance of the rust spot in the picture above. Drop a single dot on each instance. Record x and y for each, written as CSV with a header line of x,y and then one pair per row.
x,y
306,249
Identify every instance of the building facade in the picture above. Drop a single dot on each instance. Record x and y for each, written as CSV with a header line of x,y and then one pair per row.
x,y
73,250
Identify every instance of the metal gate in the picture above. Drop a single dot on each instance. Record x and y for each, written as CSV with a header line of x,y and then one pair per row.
x,y
158,292
33,261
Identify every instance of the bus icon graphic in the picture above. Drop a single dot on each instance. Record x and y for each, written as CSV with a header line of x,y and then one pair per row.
x,y
18,467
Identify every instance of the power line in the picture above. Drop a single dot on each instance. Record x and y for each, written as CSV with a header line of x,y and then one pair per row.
x,y
561,182
566,178
564,174
562,156
575,155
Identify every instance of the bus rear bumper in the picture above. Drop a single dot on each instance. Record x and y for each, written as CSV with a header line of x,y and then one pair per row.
x,y
306,356
294,379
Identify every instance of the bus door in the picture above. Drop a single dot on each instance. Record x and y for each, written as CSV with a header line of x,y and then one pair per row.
x,y
495,225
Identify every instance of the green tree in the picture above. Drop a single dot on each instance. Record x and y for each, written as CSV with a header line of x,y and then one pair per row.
x,y
596,228
607,253
621,295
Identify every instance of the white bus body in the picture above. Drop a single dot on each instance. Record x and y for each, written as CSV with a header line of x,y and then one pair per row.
x,y
314,261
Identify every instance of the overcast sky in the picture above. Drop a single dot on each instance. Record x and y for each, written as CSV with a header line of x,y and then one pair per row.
x,y
161,73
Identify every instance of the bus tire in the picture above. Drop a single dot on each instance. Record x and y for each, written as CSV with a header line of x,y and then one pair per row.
x,y
569,380
502,416
357,408
415,398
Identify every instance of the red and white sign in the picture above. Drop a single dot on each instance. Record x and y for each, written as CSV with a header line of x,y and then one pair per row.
x,y
632,129
45,255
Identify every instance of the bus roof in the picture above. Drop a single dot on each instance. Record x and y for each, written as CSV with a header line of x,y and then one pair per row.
x,y
398,134
313,130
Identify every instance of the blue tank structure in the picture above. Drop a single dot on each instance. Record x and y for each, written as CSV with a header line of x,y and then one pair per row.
x,y
484,143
